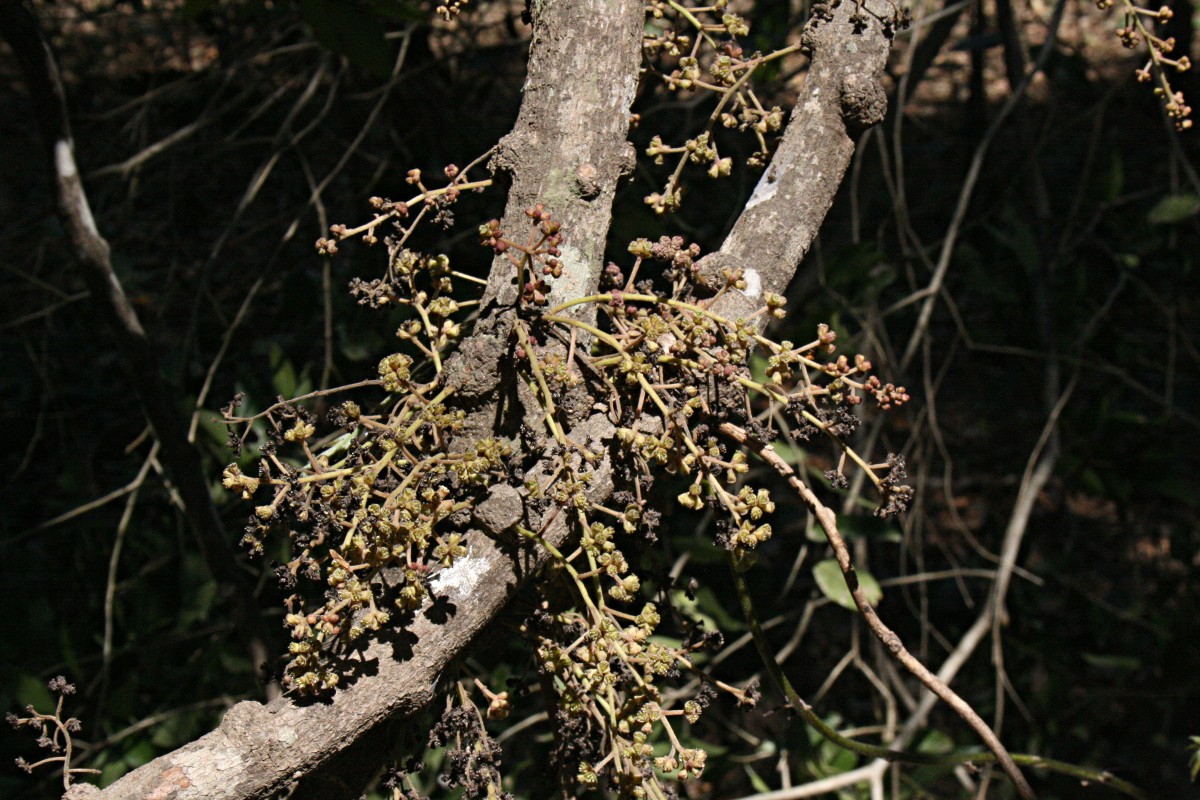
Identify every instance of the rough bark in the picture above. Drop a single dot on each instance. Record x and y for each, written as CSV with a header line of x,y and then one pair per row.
x,y
842,97
567,151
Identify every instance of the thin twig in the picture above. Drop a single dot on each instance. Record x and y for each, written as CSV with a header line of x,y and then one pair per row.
x,y
91,252
968,189
828,522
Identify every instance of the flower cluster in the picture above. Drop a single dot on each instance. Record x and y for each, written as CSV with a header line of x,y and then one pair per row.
x,y
671,371
381,501
536,261
1138,28
696,48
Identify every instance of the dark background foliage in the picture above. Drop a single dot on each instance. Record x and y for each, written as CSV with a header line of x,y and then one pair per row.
x,y
1076,261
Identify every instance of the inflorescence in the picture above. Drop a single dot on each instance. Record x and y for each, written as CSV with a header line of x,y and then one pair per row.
x,y
374,509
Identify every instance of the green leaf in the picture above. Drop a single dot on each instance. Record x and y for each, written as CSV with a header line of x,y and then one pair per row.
x,y
352,30
860,526
32,691
200,590
212,427
111,772
1114,182
708,608
1115,662
140,753
832,584
936,742
401,10
283,377
1180,490
700,550
194,8
758,367
1173,208
760,786
1018,236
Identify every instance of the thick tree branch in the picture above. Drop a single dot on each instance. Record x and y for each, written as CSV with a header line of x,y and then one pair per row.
x,y
566,151
841,98
575,114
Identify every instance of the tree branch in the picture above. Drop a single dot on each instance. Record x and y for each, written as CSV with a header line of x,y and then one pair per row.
x,y
582,76
828,522
841,98
161,401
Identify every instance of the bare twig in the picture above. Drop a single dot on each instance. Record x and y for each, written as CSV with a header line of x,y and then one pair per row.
x,y
828,522
930,293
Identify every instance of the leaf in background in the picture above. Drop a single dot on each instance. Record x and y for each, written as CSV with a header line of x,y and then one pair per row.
x,y
199,591
31,691
143,752
194,8
861,526
1018,236
1114,182
111,772
210,424
402,10
758,366
284,378
756,781
1173,208
708,608
1113,662
934,741
833,585
352,30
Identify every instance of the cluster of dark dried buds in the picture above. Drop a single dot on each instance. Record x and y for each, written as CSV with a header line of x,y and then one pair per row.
x,y
54,733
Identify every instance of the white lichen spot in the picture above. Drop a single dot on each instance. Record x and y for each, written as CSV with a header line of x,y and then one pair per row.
x,y
753,281
64,159
813,104
287,735
575,278
64,164
459,580
85,214
768,184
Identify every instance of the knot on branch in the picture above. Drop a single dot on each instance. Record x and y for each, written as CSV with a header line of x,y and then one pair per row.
x,y
863,103
501,510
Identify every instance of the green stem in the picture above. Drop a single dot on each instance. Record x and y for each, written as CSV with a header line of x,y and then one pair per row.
x,y
535,367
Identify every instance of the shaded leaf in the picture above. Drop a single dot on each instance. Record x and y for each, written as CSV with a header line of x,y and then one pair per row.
x,y
351,30
832,584
1173,208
